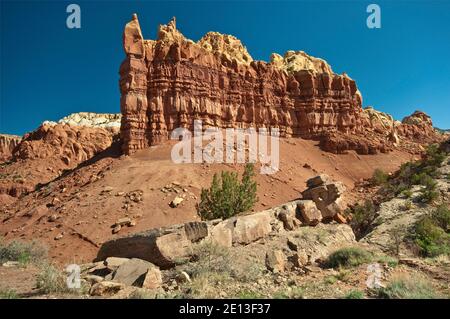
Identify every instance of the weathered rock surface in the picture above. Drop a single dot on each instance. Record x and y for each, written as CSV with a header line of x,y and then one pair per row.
x,y
43,154
7,145
135,272
324,194
169,82
108,121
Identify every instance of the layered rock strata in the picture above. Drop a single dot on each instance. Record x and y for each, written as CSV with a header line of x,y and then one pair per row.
x,y
7,145
172,81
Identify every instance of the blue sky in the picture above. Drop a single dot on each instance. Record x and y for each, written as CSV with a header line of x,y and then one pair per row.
x,y
49,71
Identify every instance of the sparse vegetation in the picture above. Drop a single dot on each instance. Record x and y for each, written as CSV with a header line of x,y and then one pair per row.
x,y
362,217
8,294
249,294
348,257
396,235
227,196
379,177
422,172
51,281
432,233
22,252
354,294
407,288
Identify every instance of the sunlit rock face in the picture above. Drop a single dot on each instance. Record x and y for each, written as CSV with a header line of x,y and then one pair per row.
x,y
171,81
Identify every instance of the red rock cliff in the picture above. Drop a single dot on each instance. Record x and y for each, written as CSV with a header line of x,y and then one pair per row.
x,y
172,81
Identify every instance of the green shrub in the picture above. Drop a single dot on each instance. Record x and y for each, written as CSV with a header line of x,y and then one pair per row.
x,y
23,252
51,281
250,294
431,233
8,294
354,294
348,257
227,196
362,217
210,258
407,288
379,177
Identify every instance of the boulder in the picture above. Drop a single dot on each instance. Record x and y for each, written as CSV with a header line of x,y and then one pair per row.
x,y
196,231
299,259
133,272
252,227
275,261
311,216
222,234
163,247
317,181
153,278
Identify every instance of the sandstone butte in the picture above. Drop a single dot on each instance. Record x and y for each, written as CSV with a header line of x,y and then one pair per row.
x,y
171,81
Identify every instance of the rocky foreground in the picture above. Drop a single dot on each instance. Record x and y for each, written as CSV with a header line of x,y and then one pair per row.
x,y
297,250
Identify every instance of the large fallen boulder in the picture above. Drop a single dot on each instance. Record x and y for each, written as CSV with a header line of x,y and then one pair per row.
x,y
163,247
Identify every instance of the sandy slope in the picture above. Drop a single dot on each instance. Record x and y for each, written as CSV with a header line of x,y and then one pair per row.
x,y
92,197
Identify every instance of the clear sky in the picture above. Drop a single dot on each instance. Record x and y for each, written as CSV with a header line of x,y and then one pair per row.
x,y
49,71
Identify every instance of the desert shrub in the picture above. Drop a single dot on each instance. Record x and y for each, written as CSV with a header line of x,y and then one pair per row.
x,y
396,236
354,294
204,285
8,294
348,257
379,177
294,293
362,217
422,172
250,294
23,252
407,193
431,233
407,288
408,205
227,196
51,280
211,258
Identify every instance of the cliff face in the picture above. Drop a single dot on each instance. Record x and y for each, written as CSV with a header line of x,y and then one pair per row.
x,y
172,81
7,145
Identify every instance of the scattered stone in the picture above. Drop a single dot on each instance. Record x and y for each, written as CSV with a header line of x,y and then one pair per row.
x,y
52,218
116,229
106,288
176,201
59,236
93,279
183,277
11,264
